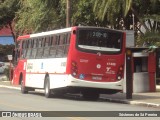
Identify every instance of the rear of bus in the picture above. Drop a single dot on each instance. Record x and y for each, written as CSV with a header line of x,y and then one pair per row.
x,y
96,60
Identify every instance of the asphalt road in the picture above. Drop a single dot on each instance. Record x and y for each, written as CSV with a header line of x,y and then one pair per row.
x,y
13,100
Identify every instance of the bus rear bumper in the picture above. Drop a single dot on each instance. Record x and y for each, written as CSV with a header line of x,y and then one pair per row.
x,y
90,84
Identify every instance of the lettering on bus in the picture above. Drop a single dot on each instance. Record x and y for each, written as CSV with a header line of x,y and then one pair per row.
x,y
110,71
99,34
83,60
111,64
29,66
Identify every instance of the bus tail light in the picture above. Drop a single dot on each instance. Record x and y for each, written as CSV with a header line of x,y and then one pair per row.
x,y
74,69
120,73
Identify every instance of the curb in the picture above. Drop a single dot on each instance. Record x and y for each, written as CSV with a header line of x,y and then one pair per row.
x,y
18,88
145,104
10,87
131,102
106,99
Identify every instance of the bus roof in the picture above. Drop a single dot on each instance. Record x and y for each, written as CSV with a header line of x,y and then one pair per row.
x,y
44,33
59,31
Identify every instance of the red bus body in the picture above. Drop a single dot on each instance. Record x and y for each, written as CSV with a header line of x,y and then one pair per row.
x,y
85,67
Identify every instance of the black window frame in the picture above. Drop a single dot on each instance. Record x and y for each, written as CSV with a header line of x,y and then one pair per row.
x,y
57,43
96,51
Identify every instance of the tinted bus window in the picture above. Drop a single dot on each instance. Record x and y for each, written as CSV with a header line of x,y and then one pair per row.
x,y
53,40
99,40
28,49
40,48
34,49
60,46
46,47
24,49
67,42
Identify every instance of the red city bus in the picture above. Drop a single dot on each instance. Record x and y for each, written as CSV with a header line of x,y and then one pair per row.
x,y
87,60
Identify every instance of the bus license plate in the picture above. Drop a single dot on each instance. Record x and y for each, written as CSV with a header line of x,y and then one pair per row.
x,y
96,78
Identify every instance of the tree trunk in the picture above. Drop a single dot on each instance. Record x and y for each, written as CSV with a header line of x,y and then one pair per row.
x,y
10,26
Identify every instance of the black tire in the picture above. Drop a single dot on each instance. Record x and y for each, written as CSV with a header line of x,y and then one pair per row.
x,y
24,90
47,91
90,95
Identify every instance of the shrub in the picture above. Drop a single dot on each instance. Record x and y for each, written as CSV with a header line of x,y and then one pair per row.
x,y
7,72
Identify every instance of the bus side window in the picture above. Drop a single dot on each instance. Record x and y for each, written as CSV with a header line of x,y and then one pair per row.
x,y
46,41
53,40
46,47
57,39
34,48
40,48
67,37
17,51
52,51
28,43
60,46
23,54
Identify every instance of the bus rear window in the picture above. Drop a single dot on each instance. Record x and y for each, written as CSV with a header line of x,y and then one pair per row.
x,y
99,40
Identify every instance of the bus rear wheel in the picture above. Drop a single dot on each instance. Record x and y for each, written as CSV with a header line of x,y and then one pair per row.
x,y
89,95
47,90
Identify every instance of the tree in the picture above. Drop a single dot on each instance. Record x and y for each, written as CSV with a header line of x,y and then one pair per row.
x,y
121,8
114,10
4,51
82,14
146,12
35,16
8,9
150,29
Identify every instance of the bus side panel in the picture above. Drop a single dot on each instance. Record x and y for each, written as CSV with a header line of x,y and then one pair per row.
x,y
38,68
71,52
20,69
58,81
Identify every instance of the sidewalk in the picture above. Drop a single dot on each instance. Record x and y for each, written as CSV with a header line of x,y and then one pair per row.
x,y
149,99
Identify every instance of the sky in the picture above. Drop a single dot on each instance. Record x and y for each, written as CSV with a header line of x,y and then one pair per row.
x,y
6,40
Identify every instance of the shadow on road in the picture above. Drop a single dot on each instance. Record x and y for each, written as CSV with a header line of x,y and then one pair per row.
x,y
76,97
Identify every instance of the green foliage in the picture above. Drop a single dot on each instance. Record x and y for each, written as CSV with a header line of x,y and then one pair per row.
x,y
153,38
31,16
111,8
8,9
7,73
147,14
84,15
5,50
35,16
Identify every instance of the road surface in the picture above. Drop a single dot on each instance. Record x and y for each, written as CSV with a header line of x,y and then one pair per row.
x,y
13,100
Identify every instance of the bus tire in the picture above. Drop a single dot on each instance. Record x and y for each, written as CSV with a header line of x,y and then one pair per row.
x,y
23,88
47,91
90,95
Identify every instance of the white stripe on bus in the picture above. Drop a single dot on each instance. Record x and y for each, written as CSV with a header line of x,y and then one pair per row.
x,y
50,32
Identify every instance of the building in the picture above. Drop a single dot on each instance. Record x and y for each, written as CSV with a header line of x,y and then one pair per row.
x,y
6,44
6,37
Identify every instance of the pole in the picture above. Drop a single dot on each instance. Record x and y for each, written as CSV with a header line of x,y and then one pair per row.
x,y
10,71
10,66
68,13
129,76
133,20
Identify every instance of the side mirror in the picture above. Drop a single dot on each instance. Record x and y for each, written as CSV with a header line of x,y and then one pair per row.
x,y
10,57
